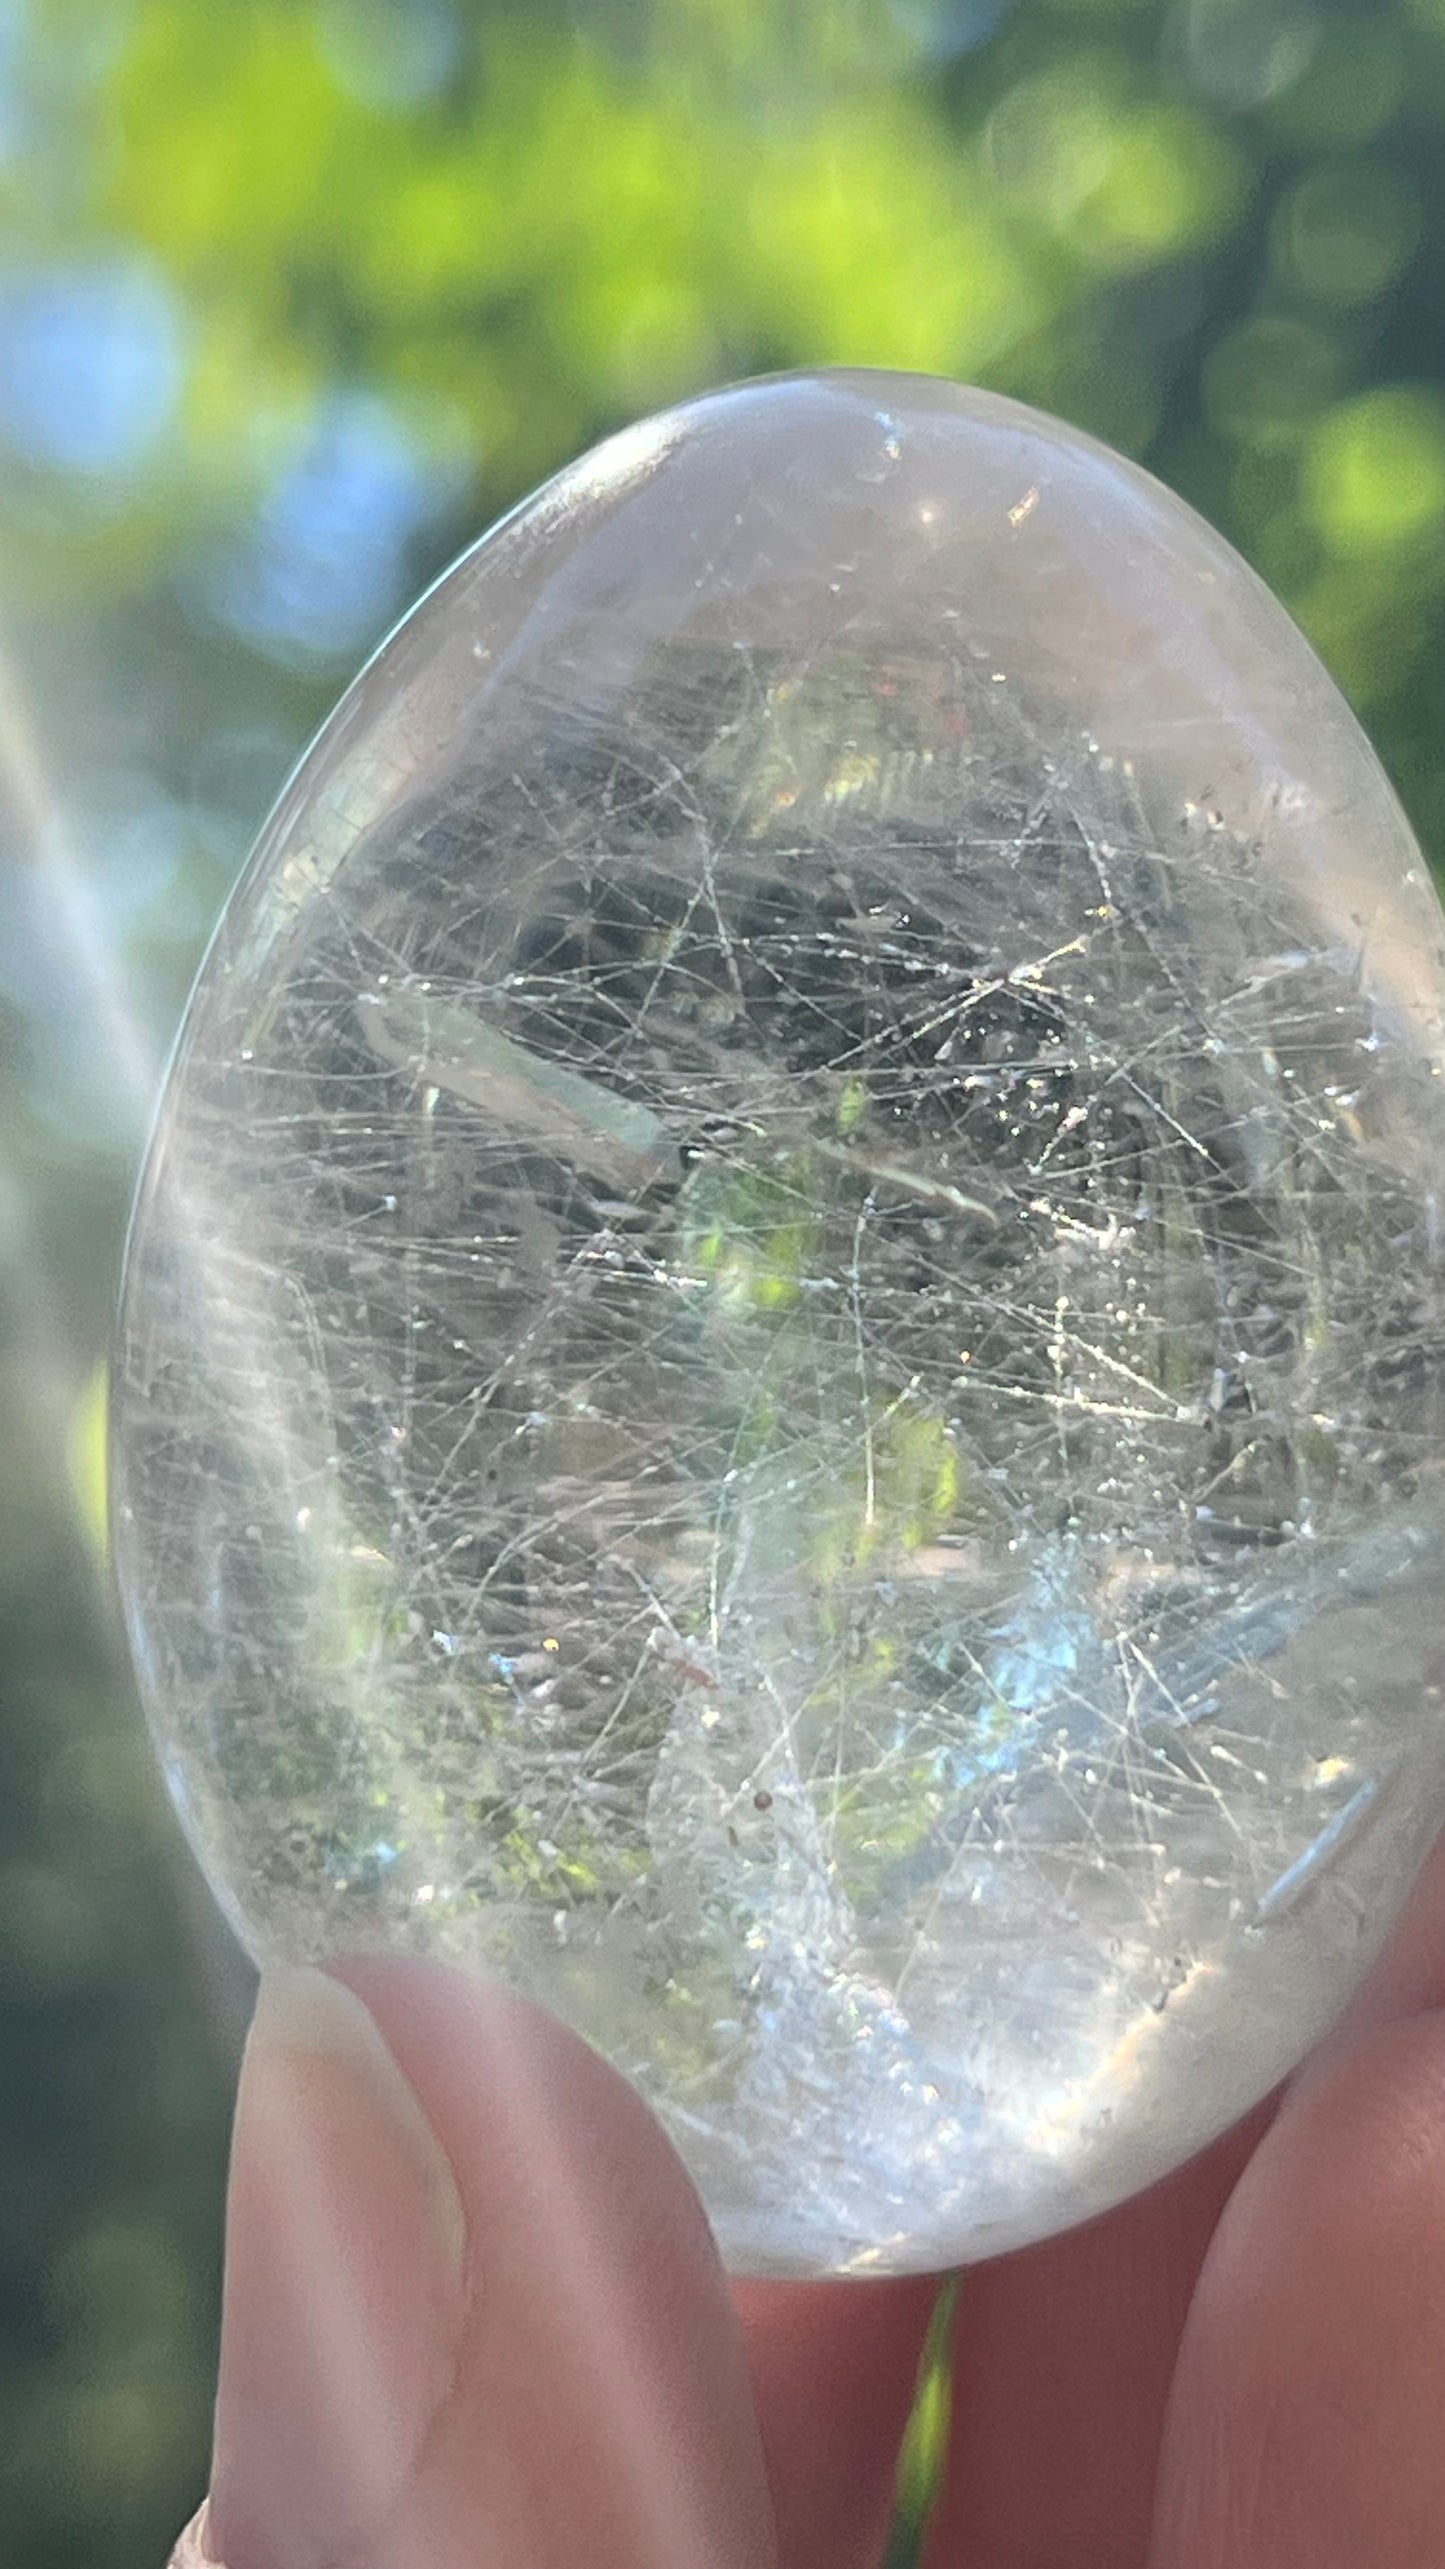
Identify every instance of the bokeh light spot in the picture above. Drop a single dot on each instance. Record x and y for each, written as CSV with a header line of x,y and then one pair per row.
x,y
92,359
1351,86
1375,470
390,57
1269,379
323,562
1346,231
1242,52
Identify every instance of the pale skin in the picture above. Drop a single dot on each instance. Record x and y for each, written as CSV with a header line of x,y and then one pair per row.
x,y
474,2316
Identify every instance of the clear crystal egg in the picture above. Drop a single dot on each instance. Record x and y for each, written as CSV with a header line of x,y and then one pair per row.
x,y
783,1359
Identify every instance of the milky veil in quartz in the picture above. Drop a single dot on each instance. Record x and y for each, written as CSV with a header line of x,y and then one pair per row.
x,y
782,1360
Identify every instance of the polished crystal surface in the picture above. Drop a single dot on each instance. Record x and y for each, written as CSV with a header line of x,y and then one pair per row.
x,y
783,1353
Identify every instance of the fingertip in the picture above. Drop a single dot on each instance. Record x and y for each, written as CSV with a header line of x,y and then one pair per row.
x,y
346,2285
603,2409
474,2310
1303,2429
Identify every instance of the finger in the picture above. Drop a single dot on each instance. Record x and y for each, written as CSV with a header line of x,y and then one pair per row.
x,y
834,2369
472,2310
1062,2360
1065,2353
1304,2427
1410,1974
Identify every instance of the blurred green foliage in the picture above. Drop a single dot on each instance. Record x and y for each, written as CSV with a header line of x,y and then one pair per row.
x,y
295,295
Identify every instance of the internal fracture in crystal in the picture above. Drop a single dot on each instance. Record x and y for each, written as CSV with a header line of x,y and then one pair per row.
x,y
783,1368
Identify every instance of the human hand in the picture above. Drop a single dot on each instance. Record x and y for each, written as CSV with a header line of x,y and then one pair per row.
x,y
473,2316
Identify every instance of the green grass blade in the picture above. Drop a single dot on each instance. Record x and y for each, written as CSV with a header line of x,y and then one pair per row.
x,y
923,2453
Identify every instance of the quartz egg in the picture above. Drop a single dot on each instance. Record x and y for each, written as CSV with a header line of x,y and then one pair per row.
x,y
782,1370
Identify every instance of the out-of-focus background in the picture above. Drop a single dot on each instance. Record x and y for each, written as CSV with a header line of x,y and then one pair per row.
x,y
295,296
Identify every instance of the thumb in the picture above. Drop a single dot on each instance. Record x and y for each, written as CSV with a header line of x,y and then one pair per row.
x,y
472,2307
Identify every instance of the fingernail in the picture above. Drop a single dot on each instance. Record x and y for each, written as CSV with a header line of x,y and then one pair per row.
x,y
346,2286
193,2550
